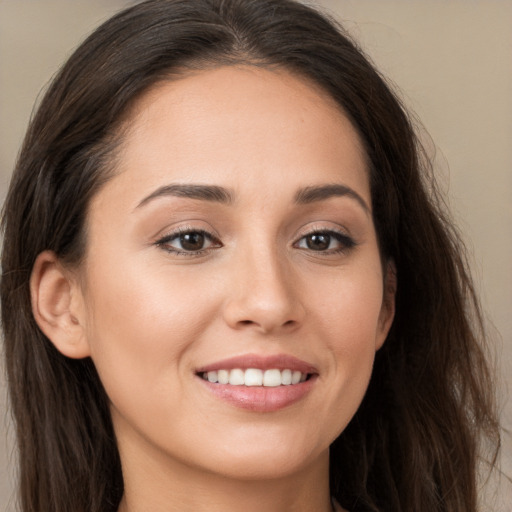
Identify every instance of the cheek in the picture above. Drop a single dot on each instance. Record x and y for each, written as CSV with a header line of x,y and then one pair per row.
x,y
348,312
349,306
142,320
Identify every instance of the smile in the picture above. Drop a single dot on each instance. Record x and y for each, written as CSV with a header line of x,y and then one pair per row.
x,y
259,383
256,377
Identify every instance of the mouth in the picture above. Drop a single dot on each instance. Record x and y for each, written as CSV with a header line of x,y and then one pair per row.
x,y
256,377
259,384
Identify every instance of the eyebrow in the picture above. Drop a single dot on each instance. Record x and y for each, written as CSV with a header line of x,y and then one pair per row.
x,y
211,193
217,194
313,194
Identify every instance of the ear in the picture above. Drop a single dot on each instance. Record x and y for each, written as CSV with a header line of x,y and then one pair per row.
x,y
387,312
57,305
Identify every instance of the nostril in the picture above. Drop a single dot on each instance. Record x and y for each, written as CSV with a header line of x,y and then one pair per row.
x,y
288,323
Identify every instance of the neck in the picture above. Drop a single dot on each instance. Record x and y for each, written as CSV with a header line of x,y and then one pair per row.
x,y
171,486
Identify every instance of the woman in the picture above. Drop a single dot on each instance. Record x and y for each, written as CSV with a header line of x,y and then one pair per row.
x,y
233,288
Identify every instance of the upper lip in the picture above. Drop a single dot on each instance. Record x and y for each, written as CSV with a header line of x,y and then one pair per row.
x,y
277,362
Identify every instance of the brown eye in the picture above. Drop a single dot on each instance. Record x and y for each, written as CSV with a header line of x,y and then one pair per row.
x,y
193,241
188,242
329,242
318,241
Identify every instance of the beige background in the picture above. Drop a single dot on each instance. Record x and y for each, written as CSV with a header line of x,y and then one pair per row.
x,y
451,59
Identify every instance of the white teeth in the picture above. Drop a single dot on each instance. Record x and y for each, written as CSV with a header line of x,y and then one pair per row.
x,y
272,378
223,376
286,377
255,377
236,377
296,377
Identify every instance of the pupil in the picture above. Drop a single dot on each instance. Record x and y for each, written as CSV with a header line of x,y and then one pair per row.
x,y
192,241
318,242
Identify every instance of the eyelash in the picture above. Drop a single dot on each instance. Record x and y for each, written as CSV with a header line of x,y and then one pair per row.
x,y
164,241
346,242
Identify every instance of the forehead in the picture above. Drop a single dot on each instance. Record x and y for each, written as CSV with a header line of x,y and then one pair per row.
x,y
240,125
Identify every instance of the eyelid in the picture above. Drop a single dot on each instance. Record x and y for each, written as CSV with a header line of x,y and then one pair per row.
x,y
340,234
185,226
322,227
162,240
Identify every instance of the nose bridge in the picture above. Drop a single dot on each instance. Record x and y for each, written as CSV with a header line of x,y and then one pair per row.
x,y
265,293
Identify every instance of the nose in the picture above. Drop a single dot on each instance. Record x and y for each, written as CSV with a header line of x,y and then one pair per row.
x,y
264,295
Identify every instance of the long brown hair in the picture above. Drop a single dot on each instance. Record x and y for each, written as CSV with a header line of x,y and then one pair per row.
x,y
414,443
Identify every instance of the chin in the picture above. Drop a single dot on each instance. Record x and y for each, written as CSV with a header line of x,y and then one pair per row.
x,y
267,466
266,456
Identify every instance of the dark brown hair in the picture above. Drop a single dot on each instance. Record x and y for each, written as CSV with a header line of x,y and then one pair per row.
x,y
414,443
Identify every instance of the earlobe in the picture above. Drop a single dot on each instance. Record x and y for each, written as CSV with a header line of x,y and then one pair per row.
x,y
57,306
387,313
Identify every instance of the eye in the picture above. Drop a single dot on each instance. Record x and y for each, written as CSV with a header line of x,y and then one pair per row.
x,y
188,242
325,241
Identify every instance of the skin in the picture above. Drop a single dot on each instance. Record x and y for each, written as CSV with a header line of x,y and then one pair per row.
x,y
149,317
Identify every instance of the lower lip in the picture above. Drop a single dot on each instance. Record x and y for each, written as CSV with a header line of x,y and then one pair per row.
x,y
261,398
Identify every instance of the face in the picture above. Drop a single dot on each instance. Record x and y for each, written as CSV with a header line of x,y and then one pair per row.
x,y
232,286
